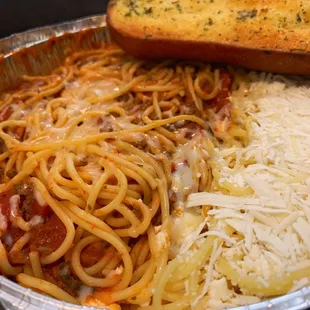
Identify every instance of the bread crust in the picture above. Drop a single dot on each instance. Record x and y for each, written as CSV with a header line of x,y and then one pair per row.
x,y
139,42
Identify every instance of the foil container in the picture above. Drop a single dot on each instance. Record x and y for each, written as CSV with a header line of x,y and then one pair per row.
x,y
37,52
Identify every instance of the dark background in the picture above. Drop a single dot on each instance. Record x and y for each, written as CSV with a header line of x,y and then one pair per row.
x,y
21,15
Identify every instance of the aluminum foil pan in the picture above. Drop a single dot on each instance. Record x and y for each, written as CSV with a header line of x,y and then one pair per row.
x,y
39,51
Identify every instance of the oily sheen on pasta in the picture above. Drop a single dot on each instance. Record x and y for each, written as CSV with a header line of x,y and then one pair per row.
x,y
113,173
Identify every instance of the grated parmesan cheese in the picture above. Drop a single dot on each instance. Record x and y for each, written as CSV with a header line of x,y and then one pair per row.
x,y
162,240
271,222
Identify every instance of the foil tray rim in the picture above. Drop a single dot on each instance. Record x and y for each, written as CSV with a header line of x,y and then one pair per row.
x,y
14,42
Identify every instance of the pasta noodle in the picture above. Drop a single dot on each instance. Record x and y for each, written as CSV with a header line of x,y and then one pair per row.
x,y
89,168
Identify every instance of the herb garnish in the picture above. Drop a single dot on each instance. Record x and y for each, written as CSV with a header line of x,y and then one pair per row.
x,y
298,18
243,15
178,6
132,7
148,11
210,22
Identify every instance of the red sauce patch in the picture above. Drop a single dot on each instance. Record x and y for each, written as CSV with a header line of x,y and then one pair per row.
x,y
5,203
223,96
19,257
6,113
15,233
47,237
173,167
39,210
92,254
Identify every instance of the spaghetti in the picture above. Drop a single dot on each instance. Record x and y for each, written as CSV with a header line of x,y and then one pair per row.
x,y
93,164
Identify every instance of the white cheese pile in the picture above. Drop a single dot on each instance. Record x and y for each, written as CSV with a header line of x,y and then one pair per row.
x,y
272,218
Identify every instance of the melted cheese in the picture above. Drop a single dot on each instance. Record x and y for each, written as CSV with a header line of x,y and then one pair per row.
x,y
77,103
14,206
190,159
36,220
92,89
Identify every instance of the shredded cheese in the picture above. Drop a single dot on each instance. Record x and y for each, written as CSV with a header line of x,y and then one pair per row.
x,y
261,192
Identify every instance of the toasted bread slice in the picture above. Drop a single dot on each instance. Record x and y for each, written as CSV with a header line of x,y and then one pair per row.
x,y
268,35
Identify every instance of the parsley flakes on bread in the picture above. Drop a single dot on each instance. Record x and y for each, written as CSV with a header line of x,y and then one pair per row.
x,y
268,35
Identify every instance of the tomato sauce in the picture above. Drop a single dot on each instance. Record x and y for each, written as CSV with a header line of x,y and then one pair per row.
x,y
5,203
222,98
48,237
45,238
92,254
